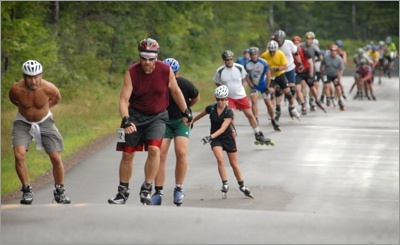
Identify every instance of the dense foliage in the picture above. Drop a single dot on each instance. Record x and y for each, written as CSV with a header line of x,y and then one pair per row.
x,y
79,42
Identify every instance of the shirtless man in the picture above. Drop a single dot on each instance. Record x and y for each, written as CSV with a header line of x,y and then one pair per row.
x,y
34,97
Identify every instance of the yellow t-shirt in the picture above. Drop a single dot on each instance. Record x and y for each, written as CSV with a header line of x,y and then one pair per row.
x,y
374,55
279,59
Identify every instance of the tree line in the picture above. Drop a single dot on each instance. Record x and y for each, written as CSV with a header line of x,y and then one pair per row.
x,y
87,41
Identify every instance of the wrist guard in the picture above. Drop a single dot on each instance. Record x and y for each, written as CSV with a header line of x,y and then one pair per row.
x,y
188,114
126,122
206,139
276,69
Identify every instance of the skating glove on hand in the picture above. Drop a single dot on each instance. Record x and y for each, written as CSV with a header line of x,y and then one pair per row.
x,y
126,122
206,139
188,114
253,90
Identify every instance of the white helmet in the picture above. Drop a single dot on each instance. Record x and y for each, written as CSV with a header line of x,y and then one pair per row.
x,y
221,92
272,45
32,68
315,42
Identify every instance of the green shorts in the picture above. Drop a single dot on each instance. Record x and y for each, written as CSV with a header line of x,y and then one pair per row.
x,y
176,128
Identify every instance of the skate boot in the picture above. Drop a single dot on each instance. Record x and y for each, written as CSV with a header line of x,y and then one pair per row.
x,y
293,112
369,98
178,196
389,74
373,97
27,194
321,99
344,96
59,195
260,140
275,124
328,101
246,191
380,80
224,190
341,105
156,198
312,104
277,115
333,102
304,110
321,106
121,197
145,194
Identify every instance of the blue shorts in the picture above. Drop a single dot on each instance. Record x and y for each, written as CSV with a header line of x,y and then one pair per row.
x,y
291,76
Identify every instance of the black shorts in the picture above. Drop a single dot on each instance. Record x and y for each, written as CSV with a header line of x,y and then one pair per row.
x,y
228,143
281,81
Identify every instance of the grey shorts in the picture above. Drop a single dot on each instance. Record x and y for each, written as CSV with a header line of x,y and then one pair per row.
x,y
150,128
52,140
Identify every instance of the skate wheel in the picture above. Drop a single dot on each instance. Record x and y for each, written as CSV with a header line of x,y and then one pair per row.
x,y
272,143
251,196
256,142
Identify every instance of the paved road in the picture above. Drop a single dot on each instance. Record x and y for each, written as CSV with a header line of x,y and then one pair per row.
x,y
331,178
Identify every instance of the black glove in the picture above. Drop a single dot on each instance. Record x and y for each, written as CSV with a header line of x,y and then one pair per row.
x,y
188,114
253,90
206,139
301,67
126,122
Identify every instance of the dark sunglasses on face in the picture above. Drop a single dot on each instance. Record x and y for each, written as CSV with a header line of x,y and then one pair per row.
x,y
147,59
230,59
220,99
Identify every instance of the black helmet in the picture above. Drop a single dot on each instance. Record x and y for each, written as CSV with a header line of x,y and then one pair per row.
x,y
226,54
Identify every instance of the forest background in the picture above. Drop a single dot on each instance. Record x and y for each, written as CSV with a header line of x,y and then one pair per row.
x,y
85,48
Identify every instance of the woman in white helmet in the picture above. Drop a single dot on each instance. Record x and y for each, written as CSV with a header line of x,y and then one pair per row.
x,y
222,138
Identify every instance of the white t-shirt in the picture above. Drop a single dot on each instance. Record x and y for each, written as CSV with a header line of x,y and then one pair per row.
x,y
232,78
289,48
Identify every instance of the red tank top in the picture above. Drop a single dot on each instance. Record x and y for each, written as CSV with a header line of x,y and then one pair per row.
x,y
304,59
150,94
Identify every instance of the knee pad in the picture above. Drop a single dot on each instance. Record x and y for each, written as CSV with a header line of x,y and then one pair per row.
x,y
288,95
292,90
278,91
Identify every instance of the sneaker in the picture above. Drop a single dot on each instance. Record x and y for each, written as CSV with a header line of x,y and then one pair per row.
x,y
246,191
225,188
178,196
59,195
145,195
121,197
156,198
27,194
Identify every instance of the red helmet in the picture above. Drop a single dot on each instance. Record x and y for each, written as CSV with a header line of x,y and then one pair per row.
x,y
296,39
148,45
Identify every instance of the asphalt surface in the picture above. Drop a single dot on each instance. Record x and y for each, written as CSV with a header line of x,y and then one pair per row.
x,y
331,178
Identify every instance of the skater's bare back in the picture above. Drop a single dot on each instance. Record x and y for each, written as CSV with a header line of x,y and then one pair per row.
x,y
34,97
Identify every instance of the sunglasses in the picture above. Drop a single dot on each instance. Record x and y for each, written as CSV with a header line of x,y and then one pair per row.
x,y
221,99
147,59
229,59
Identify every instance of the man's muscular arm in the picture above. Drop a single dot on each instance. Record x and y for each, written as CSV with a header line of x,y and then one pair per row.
x,y
53,93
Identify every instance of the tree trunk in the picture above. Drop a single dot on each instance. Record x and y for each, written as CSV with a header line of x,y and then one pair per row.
x,y
353,19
